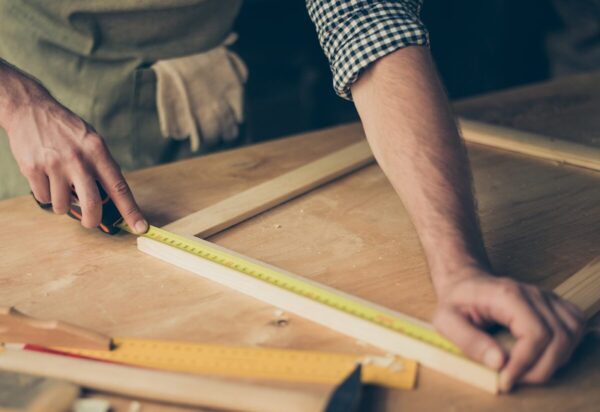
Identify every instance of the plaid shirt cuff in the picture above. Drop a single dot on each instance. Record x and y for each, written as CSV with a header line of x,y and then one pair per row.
x,y
355,33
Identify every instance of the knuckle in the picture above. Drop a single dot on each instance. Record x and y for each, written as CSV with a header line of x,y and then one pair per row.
x,y
539,377
535,292
541,334
95,145
29,168
91,204
120,187
510,288
52,161
562,339
131,211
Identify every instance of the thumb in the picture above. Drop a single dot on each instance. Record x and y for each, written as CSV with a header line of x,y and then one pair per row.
x,y
474,342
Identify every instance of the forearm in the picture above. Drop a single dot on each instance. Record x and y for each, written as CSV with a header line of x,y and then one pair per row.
x,y
410,128
17,91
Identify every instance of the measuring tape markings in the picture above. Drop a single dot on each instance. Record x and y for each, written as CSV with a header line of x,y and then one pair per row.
x,y
354,307
250,362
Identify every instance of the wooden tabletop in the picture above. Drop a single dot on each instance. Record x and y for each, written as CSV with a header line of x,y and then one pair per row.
x,y
541,222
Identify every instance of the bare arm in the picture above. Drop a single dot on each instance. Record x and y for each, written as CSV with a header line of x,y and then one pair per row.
x,y
409,125
57,151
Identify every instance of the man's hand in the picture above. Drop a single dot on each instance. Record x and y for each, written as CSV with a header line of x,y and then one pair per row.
x,y
57,151
546,328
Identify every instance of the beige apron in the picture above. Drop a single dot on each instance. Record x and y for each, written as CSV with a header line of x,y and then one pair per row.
x,y
95,57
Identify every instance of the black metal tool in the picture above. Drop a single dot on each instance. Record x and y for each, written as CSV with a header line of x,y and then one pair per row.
x,y
110,213
346,397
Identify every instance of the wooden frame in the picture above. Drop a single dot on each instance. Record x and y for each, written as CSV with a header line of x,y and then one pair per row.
x,y
582,289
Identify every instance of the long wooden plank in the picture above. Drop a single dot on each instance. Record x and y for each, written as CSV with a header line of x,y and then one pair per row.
x,y
181,389
531,144
257,199
455,366
576,289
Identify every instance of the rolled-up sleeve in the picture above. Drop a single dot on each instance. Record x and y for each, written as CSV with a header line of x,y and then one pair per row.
x,y
355,33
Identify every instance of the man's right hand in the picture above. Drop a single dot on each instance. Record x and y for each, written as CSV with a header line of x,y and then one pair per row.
x,y
546,328
57,151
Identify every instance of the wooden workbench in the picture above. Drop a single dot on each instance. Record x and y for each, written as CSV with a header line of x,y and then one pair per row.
x,y
541,222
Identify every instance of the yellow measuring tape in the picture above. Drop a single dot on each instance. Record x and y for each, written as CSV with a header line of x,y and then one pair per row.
x,y
254,362
309,290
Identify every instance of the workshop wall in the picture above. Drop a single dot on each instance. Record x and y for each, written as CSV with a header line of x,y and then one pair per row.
x,y
479,46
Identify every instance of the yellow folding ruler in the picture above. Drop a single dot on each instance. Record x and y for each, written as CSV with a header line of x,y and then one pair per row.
x,y
28,333
250,362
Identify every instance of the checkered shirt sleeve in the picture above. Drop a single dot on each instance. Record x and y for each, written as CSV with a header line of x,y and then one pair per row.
x,y
355,33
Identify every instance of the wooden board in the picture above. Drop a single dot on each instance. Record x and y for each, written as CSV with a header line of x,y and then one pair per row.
x,y
385,339
176,388
531,144
249,203
540,223
16,327
582,289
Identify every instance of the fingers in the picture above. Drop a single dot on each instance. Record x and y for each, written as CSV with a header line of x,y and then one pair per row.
x,y
40,187
60,193
559,345
546,334
89,200
116,187
475,343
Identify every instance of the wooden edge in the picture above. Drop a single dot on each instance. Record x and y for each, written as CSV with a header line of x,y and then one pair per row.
x,y
531,144
457,367
16,327
176,388
583,288
271,193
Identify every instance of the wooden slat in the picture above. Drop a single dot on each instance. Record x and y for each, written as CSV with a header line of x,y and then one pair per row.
x,y
16,327
583,289
531,144
257,199
456,366
181,389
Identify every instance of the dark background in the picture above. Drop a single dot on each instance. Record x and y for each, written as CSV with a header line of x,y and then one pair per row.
x,y
478,45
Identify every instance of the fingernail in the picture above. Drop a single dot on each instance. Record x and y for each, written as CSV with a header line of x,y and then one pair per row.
x,y
492,358
141,226
505,382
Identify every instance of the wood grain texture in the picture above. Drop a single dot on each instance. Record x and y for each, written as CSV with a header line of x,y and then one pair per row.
x,y
175,388
531,144
540,223
16,327
583,288
385,339
249,203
